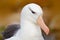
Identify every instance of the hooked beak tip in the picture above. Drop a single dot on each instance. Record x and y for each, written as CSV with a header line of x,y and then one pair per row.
x,y
42,25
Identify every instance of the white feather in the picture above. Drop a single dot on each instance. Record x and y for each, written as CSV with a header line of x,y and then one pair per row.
x,y
29,28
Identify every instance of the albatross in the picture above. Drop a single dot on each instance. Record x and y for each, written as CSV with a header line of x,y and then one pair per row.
x,y
31,24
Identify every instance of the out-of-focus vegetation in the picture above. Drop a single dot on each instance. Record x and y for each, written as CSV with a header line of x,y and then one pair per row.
x,y
2,28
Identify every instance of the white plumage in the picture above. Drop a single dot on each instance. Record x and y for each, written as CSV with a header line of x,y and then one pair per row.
x,y
29,30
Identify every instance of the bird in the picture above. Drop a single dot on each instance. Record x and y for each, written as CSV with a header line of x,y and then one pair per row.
x,y
29,28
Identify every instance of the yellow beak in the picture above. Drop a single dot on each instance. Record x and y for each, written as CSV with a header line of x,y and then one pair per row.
x,y
42,25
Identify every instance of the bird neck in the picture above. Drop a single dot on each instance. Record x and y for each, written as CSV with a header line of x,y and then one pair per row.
x,y
27,23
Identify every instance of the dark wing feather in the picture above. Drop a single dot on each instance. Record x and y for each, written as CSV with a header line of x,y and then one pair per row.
x,y
10,31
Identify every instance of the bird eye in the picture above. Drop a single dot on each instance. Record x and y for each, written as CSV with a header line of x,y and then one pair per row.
x,y
32,11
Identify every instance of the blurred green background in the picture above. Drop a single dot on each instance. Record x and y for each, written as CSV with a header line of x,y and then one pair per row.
x,y
10,13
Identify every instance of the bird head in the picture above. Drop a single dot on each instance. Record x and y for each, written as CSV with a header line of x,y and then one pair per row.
x,y
31,12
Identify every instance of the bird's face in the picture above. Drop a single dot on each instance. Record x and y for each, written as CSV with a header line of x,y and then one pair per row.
x,y
31,12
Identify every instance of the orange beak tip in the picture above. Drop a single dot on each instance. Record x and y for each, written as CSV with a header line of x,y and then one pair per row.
x,y
47,31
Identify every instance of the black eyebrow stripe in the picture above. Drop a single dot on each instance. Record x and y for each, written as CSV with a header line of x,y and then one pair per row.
x,y
32,11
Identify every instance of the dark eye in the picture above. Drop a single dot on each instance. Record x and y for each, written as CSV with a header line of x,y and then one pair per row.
x,y
32,11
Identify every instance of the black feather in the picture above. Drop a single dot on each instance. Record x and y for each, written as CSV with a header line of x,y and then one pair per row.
x,y
10,31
